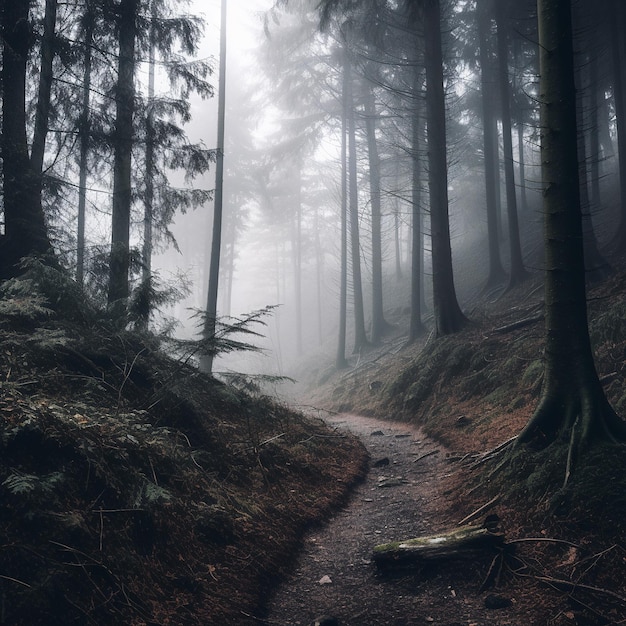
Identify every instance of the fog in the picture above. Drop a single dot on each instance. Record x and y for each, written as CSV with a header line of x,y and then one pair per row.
x,y
283,186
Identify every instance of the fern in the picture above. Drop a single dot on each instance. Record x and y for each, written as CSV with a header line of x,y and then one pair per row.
x,y
19,483
149,493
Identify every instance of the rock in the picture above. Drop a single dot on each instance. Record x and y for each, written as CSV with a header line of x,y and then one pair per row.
x,y
377,433
375,385
493,601
325,580
381,462
461,421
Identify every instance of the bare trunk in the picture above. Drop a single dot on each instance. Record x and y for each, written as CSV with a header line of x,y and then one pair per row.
x,y
517,273
448,315
573,403
122,191
491,168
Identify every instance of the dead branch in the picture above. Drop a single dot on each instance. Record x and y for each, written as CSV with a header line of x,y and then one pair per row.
x,y
485,507
427,454
527,321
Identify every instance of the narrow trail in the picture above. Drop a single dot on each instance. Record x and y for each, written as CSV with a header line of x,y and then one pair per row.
x,y
410,505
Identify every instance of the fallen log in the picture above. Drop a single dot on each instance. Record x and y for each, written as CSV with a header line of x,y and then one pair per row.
x,y
465,542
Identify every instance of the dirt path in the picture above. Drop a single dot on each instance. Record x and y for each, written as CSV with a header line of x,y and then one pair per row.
x,y
356,595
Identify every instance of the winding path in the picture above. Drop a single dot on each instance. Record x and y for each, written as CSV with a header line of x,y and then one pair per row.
x,y
375,514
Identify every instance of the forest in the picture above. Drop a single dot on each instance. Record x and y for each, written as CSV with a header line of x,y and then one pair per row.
x,y
313,312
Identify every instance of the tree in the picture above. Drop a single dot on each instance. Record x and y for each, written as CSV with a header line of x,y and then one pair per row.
x,y
122,174
448,315
517,273
25,226
573,404
360,337
216,236
496,272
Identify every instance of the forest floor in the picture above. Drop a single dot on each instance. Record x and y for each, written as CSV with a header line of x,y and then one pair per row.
x,y
564,560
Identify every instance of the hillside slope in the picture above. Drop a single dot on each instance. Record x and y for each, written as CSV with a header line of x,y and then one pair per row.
x,y
136,490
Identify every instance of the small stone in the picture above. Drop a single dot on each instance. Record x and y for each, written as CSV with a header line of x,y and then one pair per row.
x,y
381,462
326,620
377,433
493,601
325,580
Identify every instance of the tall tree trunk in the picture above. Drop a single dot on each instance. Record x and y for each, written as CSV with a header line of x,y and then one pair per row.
x,y
448,315
122,191
572,402
296,250
491,168
378,318
618,53
42,112
148,218
340,360
360,337
416,327
84,132
206,361
595,265
517,273
319,274
25,226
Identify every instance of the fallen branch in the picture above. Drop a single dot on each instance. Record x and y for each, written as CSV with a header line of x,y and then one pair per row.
x,y
460,543
472,516
427,454
519,324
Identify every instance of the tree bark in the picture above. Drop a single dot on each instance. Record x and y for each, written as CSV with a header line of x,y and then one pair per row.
x,y
25,227
378,318
360,337
416,327
496,275
618,53
517,272
448,315
464,542
206,361
122,191
572,404
340,360
84,131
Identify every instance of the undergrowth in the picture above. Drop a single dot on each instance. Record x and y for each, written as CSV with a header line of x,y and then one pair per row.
x,y
137,490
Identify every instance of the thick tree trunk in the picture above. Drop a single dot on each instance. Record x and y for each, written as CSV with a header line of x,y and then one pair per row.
x,y
595,265
122,191
378,318
517,272
448,315
497,275
42,112
24,222
573,403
